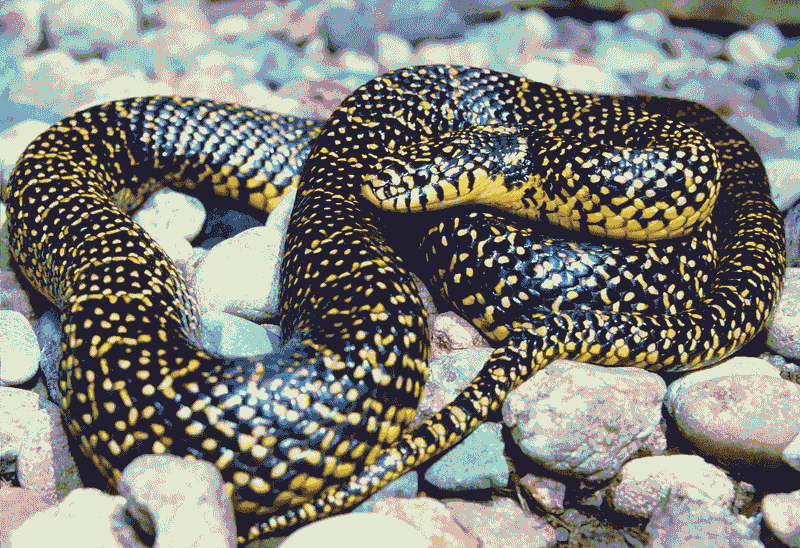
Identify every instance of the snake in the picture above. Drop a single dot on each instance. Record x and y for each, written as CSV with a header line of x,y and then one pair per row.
x,y
617,230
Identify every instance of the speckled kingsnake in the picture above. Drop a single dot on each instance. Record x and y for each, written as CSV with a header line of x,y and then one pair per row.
x,y
292,432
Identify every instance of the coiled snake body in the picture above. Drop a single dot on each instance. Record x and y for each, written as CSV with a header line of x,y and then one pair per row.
x,y
322,424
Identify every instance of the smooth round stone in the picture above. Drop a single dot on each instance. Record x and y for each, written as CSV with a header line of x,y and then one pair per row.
x,y
176,248
358,531
393,51
186,499
19,349
477,462
86,514
784,178
584,419
784,332
742,420
172,212
680,521
14,140
645,482
589,79
782,516
234,337
406,486
241,275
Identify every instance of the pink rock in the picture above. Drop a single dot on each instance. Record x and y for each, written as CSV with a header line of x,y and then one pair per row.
x,y
451,332
448,376
430,517
86,514
321,97
584,419
745,420
549,493
502,524
31,430
782,516
16,506
187,501
358,530
645,482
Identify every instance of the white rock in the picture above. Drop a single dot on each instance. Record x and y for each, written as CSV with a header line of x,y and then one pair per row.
x,y
791,453
540,70
176,248
13,142
358,62
83,27
80,515
241,275
749,49
646,481
19,349
52,79
170,211
231,26
733,367
33,434
393,51
782,516
232,336
784,334
358,531
589,79
584,419
784,180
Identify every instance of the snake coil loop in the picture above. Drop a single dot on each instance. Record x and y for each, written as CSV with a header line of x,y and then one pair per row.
x,y
322,424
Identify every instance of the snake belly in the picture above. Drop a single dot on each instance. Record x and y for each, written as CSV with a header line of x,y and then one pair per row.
x,y
320,425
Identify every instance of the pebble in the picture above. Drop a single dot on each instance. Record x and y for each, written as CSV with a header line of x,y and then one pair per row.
x,y
359,531
447,377
182,503
85,514
14,141
393,52
32,433
79,27
478,462
19,349
547,492
685,522
406,487
450,332
501,523
241,275
739,419
233,337
17,505
784,178
584,419
172,212
430,517
782,516
786,316
643,483
590,79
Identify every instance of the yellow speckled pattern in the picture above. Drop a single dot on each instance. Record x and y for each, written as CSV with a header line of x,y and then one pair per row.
x,y
317,427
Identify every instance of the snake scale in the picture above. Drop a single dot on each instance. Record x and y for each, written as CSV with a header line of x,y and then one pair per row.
x,y
677,261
